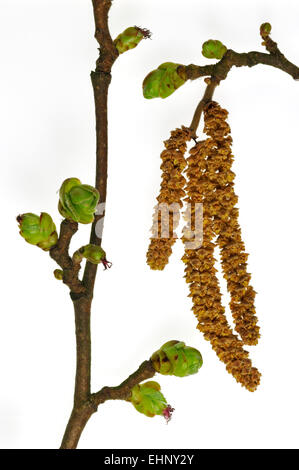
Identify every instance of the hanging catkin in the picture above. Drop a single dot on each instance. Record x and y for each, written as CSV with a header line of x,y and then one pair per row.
x,y
200,273
171,192
225,223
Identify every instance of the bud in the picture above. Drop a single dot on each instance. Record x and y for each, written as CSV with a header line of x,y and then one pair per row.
x,y
175,358
163,81
38,230
265,30
95,254
213,49
77,201
148,399
58,274
130,38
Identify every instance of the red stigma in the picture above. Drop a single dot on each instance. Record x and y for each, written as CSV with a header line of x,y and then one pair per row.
x,y
107,264
167,413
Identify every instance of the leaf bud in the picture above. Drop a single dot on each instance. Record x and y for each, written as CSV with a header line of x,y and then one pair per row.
x,y
58,274
163,81
38,230
78,201
213,49
265,30
130,38
93,253
175,358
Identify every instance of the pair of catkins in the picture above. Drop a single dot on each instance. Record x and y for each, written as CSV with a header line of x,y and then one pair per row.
x,y
206,178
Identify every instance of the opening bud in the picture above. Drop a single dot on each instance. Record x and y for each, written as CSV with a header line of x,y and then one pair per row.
x,y
163,81
265,30
130,38
175,358
38,230
93,253
78,201
148,399
213,49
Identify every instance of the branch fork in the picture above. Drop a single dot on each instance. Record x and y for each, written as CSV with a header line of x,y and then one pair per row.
x,y
219,71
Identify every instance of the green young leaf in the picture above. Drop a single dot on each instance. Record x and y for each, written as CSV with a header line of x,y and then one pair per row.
x,y
38,230
78,201
130,38
163,81
213,49
175,358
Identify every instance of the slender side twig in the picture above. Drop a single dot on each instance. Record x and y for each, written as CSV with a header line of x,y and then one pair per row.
x,y
122,391
60,254
220,70
208,95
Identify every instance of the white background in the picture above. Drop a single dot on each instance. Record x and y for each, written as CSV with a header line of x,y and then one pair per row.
x,y
47,134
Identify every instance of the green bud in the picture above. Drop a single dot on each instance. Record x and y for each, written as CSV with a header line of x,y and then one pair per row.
x,y
93,253
77,201
175,358
58,274
78,256
130,38
38,230
213,49
265,29
148,399
163,81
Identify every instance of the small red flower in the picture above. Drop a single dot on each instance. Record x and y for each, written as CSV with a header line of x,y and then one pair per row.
x,y
107,264
167,413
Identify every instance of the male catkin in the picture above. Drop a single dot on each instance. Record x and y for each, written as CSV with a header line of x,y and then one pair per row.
x,y
171,192
225,223
200,273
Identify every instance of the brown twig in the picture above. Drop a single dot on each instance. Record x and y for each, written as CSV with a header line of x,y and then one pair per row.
x,y
101,79
208,95
249,59
85,403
